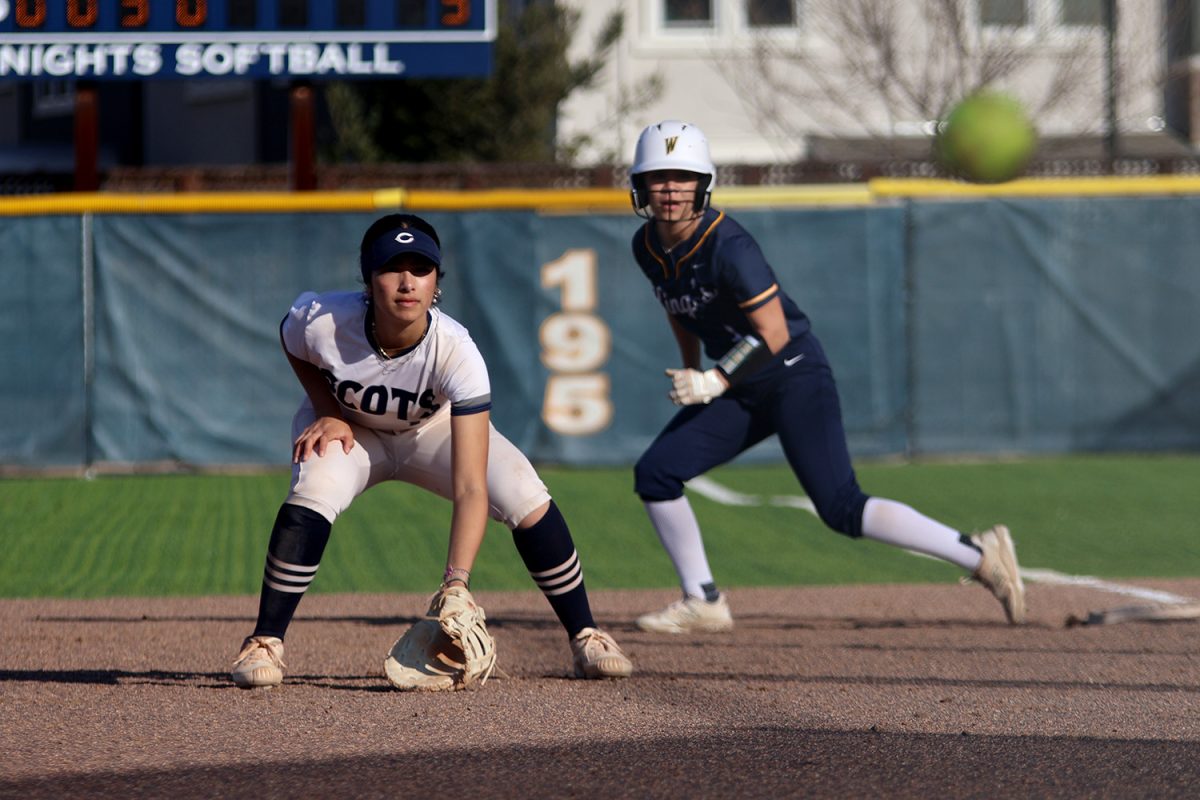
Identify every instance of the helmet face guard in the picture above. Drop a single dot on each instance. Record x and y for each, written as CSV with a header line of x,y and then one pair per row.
x,y
640,194
671,145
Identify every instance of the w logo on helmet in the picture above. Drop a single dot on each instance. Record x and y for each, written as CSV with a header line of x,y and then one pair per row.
x,y
671,144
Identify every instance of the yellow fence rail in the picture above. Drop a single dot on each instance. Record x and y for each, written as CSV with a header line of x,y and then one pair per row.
x,y
583,200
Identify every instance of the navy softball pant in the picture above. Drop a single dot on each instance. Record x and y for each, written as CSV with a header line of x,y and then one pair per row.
x,y
799,402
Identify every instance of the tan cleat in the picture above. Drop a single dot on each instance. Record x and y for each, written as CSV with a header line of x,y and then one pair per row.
x,y
598,656
689,615
998,571
260,663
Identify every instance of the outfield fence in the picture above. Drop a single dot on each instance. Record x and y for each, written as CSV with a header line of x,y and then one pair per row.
x,y
1036,316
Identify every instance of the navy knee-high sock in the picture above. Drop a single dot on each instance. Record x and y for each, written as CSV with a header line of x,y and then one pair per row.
x,y
293,555
549,555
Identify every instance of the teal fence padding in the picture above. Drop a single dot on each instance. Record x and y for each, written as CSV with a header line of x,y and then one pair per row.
x,y
970,326
189,366
1056,325
845,268
42,399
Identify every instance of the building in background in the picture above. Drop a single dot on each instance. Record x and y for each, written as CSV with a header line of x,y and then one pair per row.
x,y
848,87
773,81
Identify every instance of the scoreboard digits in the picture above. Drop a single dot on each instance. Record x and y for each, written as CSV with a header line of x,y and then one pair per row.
x,y
187,15
260,38
130,15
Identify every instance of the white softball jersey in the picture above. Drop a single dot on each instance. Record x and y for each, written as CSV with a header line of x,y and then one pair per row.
x,y
399,409
389,394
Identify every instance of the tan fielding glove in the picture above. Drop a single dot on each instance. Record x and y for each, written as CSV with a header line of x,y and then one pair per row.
x,y
450,649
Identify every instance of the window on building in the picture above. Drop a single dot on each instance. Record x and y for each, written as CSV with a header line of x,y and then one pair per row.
x,y
688,13
771,13
1003,12
1083,12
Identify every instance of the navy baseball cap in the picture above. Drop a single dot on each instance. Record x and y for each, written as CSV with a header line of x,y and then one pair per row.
x,y
397,242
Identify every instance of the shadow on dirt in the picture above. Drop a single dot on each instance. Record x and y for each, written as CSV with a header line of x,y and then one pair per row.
x,y
764,762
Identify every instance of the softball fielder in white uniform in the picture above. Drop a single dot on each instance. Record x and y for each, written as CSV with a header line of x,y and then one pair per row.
x,y
397,390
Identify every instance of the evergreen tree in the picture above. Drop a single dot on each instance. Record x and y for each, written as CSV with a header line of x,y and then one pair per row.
x,y
508,116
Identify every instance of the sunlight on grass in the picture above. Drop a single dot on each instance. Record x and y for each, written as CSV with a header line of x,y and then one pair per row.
x,y
1110,516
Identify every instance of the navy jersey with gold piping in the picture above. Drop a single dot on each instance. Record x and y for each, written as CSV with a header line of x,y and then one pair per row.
x,y
710,282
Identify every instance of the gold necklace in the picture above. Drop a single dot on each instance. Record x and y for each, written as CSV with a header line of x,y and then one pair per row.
x,y
396,351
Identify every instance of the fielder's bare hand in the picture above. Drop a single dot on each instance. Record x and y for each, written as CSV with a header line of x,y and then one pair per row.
x,y
319,435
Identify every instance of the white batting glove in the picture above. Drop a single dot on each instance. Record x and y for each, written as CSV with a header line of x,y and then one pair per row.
x,y
691,386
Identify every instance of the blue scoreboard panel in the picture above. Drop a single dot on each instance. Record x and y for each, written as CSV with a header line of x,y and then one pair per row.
x,y
330,39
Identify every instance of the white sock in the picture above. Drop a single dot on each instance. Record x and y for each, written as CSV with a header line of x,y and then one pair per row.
x,y
679,533
900,525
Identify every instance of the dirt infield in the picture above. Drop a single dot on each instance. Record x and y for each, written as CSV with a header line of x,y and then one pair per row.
x,y
912,691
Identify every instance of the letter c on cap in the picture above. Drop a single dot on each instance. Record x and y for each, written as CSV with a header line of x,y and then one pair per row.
x,y
404,237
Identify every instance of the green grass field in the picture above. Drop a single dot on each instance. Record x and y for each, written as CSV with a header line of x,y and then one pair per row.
x,y
1110,516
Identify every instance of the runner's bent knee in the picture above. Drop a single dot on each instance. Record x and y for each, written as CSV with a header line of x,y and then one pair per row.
x,y
842,509
653,476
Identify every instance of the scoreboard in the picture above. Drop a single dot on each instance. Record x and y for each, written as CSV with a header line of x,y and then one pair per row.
x,y
332,39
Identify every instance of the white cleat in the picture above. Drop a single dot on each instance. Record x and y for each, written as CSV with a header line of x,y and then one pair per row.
x,y
597,655
998,571
689,615
260,663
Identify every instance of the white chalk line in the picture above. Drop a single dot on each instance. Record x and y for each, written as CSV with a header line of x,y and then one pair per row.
x,y
714,491
1088,582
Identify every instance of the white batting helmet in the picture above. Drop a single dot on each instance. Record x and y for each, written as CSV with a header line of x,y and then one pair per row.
x,y
672,145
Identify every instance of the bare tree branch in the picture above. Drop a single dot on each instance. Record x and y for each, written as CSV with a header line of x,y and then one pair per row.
x,y
883,68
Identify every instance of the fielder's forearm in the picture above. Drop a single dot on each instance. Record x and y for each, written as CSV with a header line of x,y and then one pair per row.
x,y
469,435
468,523
316,387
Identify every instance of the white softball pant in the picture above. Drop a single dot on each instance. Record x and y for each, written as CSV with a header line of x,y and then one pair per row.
x,y
328,484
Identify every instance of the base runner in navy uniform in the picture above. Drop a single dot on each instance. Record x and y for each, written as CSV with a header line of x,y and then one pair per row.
x,y
770,377
397,390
